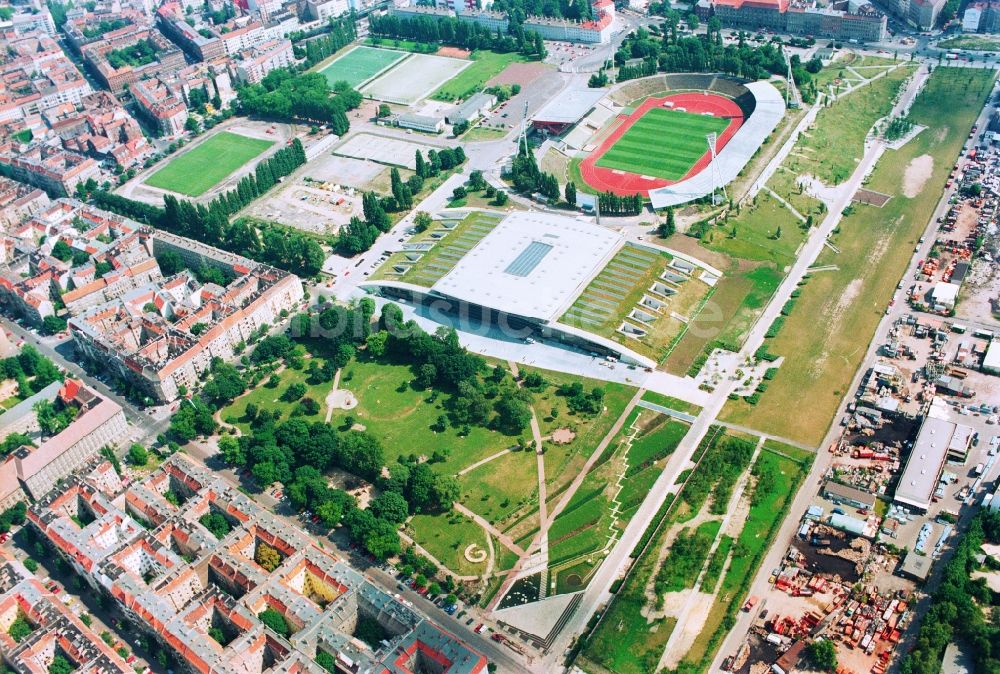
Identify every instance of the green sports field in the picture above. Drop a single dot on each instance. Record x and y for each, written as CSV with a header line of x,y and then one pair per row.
x,y
198,170
662,143
360,64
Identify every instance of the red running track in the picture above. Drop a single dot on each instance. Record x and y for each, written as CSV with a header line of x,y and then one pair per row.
x,y
607,180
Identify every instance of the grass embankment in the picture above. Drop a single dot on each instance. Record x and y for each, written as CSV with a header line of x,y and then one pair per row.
x,y
825,337
610,495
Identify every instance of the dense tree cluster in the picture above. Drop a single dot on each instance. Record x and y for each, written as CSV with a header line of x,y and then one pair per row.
x,y
612,204
286,95
341,32
192,418
957,612
271,243
31,370
13,516
672,53
528,178
453,31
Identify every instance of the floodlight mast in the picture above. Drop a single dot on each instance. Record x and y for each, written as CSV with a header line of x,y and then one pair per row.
x,y
712,140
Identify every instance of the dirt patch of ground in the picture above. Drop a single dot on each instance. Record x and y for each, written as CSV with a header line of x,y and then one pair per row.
x,y
563,436
695,619
8,388
454,52
917,173
517,73
850,294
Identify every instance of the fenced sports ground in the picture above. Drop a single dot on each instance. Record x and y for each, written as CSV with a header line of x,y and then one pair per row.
x,y
360,65
415,78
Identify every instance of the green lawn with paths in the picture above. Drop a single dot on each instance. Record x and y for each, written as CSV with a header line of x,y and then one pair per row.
x,y
265,397
446,536
825,337
197,170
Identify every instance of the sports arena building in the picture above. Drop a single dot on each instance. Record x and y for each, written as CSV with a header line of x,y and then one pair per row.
x,y
524,276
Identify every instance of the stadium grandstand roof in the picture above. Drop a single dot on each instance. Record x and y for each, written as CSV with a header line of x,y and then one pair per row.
x,y
531,265
569,107
768,111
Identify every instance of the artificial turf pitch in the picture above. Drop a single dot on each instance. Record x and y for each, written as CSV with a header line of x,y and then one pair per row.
x,y
662,143
201,168
360,64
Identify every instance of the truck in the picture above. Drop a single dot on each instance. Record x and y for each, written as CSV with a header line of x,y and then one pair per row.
x,y
951,56
751,602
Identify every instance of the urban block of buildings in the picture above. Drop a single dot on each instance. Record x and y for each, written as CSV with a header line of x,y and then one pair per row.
x,y
856,20
120,60
201,596
32,470
55,629
981,17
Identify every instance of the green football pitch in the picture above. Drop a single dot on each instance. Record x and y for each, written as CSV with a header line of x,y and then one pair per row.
x,y
360,64
662,143
201,168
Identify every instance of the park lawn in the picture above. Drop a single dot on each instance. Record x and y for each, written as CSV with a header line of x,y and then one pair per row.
x,y
202,167
499,490
679,135
446,536
739,298
585,526
360,64
783,182
763,521
832,148
270,399
485,65
478,134
573,578
402,418
826,336
764,230
671,403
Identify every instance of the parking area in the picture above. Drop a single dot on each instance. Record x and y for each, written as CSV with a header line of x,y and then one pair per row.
x,y
382,149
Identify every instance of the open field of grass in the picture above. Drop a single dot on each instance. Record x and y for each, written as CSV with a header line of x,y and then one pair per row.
x,y
763,230
612,296
485,65
832,148
825,337
446,536
425,268
360,64
681,135
767,511
499,489
199,169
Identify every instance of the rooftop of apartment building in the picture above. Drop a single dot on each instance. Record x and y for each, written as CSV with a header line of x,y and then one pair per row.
x,y
162,323
157,98
148,547
106,23
97,52
51,162
54,628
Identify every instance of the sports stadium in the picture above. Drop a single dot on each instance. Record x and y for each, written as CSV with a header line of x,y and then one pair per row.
x,y
649,136
549,277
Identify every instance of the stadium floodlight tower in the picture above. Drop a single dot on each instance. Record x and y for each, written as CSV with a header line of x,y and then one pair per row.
x,y
717,183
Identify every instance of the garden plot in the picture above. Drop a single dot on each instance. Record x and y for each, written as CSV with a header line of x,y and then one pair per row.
x,y
414,79
383,149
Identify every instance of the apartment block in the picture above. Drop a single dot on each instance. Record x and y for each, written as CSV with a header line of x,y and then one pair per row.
x,y
161,105
865,23
18,202
100,127
32,470
164,335
54,628
35,75
202,596
121,61
172,21
255,63
55,170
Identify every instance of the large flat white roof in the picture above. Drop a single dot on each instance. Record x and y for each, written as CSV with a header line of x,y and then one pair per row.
x,y
923,467
531,265
570,106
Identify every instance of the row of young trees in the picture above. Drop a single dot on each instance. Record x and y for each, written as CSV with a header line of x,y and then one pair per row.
x,y
313,49
612,204
282,247
458,33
